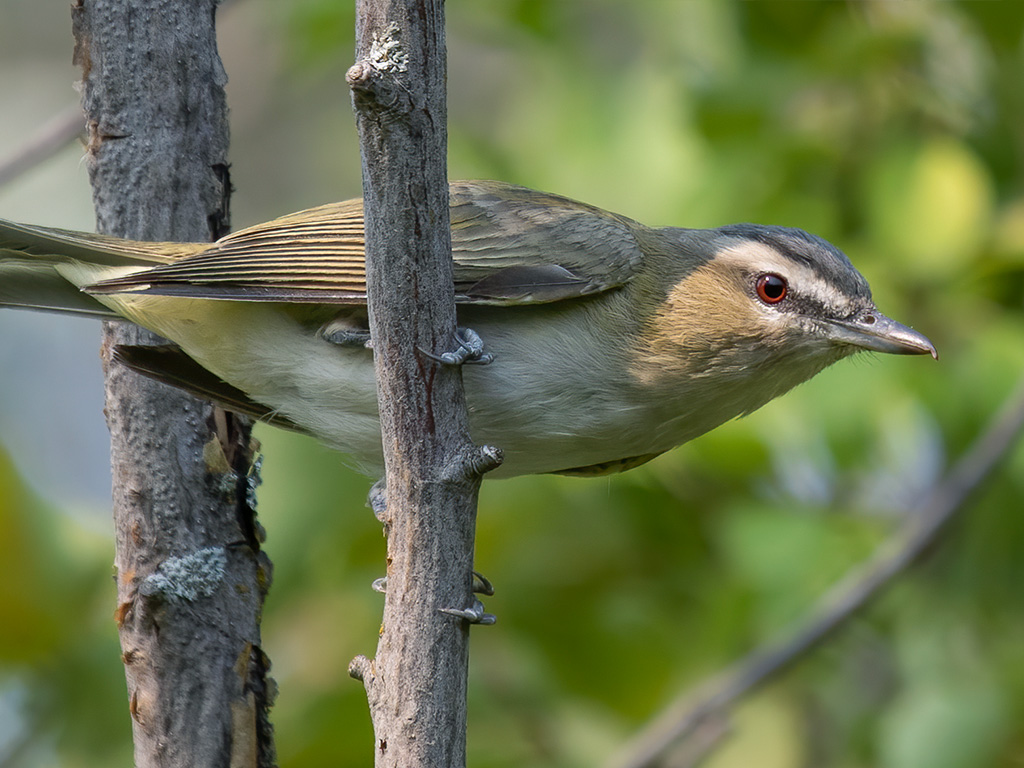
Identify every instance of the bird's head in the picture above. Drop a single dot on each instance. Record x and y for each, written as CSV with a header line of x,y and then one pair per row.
x,y
755,310
803,290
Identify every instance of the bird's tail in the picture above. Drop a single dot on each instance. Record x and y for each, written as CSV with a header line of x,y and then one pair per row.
x,y
44,268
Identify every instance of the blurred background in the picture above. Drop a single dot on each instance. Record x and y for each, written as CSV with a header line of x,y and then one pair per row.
x,y
895,129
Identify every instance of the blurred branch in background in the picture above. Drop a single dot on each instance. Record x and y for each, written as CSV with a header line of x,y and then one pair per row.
x,y
690,731
52,136
55,134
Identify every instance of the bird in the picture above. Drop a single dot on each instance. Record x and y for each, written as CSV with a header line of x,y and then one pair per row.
x,y
610,342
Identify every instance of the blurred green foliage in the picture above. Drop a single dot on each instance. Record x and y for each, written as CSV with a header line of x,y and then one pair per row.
x,y
894,129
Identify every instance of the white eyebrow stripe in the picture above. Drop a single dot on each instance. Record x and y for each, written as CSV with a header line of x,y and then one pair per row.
x,y
756,257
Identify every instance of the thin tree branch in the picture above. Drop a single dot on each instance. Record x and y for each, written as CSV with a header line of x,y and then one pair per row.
x,y
684,718
416,685
51,137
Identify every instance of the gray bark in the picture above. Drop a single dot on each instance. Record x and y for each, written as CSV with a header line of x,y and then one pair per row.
x,y
416,685
190,574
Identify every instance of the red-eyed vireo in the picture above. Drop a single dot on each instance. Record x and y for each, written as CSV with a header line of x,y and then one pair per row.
x,y
612,342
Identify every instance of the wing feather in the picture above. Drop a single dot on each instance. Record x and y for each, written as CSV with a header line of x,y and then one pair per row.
x,y
510,245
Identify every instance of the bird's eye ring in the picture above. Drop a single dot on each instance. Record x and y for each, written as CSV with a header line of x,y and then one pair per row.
x,y
772,288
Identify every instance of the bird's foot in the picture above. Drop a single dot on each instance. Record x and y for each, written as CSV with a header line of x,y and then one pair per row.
x,y
474,614
345,331
470,350
481,585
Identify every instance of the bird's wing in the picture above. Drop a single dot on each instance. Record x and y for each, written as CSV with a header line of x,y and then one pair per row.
x,y
47,244
31,258
513,245
510,245
167,363
314,255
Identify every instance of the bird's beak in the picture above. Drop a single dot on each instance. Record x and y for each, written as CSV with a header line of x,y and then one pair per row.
x,y
873,330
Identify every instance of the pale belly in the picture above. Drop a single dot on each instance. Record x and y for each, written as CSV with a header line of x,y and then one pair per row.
x,y
559,394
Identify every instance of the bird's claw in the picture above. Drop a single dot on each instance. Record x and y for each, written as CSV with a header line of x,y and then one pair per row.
x,y
343,333
482,585
474,614
470,350
377,499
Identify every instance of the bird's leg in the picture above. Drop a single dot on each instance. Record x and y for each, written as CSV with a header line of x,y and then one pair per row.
x,y
470,350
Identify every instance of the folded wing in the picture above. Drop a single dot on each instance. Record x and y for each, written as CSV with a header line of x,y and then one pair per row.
x,y
511,245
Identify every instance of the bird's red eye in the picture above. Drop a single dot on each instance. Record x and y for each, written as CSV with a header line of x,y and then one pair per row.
x,y
772,288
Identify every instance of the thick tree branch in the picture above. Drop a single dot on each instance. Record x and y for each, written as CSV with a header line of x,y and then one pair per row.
x,y
416,686
190,574
693,717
